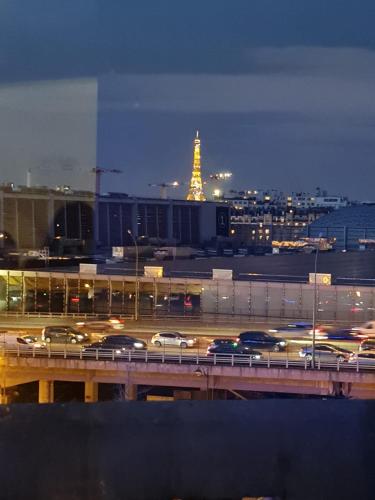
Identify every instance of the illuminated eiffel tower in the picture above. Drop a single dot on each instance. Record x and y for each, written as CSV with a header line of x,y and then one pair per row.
x,y
196,186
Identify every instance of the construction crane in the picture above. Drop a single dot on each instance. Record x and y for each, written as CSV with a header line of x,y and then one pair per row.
x,y
98,171
164,187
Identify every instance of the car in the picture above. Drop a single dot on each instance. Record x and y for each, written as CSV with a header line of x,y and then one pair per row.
x,y
367,328
118,343
125,341
221,341
261,340
326,352
344,334
367,345
102,323
31,340
65,334
231,347
363,358
9,340
172,339
299,328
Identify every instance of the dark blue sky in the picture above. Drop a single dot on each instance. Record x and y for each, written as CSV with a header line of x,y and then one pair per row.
x,y
282,90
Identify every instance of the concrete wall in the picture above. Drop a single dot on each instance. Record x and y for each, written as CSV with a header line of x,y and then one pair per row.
x,y
207,450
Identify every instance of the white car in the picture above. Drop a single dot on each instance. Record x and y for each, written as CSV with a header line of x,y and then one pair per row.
x,y
9,340
367,329
174,339
102,323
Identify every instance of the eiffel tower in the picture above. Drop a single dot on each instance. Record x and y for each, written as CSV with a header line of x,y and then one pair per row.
x,y
195,192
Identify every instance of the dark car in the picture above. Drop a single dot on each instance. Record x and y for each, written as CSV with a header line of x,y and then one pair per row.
x,y
344,334
227,346
367,345
298,329
118,343
221,341
65,334
261,340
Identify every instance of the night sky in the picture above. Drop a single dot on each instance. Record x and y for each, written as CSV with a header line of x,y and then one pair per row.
x,y
282,91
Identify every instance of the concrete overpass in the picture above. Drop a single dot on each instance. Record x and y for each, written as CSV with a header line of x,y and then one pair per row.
x,y
188,376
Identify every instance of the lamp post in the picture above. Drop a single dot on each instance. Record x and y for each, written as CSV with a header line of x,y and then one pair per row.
x,y
136,276
314,309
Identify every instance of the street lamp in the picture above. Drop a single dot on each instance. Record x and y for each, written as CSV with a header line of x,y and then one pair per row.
x,y
314,306
136,275
200,372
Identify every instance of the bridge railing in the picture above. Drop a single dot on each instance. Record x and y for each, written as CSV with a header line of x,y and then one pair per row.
x,y
184,357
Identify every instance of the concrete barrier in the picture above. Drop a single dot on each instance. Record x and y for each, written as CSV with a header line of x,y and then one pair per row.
x,y
292,449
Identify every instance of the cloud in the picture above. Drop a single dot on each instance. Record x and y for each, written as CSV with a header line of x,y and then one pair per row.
x,y
348,62
304,80
297,117
53,39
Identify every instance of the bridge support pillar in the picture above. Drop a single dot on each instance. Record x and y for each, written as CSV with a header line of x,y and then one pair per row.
x,y
131,392
46,392
91,392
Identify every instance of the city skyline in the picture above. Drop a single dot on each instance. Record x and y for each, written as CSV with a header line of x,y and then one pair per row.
x,y
289,107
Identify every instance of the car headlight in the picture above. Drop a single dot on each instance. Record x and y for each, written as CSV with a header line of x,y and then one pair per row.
x,y
79,337
118,351
272,331
138,345
257,356
282,343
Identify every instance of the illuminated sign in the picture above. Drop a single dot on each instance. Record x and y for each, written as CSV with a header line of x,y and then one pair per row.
x,y
118,252
153,272
321,279
88,268
222,274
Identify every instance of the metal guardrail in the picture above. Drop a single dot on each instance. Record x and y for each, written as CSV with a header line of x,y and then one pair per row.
x,y
268,359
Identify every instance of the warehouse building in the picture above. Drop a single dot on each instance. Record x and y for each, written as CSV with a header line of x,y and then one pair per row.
x,y
33,218
348,226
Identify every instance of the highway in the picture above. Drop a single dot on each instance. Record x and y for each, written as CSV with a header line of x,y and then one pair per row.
x,y
288,359
204,334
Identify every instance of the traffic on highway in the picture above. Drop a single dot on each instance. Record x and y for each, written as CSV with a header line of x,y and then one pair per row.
x,y
286,345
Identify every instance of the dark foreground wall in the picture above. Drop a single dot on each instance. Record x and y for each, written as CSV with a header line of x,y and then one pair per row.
x,y
294,449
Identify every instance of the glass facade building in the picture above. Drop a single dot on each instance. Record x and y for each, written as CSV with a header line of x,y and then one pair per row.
x,y
29,292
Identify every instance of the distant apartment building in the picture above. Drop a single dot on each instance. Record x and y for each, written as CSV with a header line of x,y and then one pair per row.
x,y
259,217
